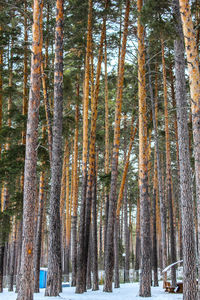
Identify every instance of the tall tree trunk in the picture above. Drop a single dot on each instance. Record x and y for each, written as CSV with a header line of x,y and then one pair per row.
x,y
194,75
178,204
109,260
159,172
68,215
154,247
116,251
106,145
54,258
75,194
81,254
95,285
155,179
189,257
145,278
126,236
26,273
168,173
89,263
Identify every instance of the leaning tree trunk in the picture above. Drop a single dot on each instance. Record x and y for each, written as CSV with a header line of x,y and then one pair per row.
x,y
26,272
54,256
189,253
109,259
145,278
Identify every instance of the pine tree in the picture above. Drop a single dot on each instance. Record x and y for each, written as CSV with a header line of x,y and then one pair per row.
x,y
54,258
145,279
26,271
189,257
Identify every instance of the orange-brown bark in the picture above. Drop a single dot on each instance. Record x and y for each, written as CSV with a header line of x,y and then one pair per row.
x,y
86,90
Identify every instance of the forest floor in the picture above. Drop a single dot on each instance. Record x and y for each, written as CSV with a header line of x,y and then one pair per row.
x,y
128,291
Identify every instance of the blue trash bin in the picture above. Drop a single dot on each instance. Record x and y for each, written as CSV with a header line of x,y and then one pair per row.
x,y
43,278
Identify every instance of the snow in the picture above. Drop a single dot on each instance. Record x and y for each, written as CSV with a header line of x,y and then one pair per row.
x,y
128,291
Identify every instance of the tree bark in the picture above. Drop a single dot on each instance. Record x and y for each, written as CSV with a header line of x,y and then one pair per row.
x,y
154,247
81,254
75,193
26,273
95,285
194,75
116,251
145,277
54,256
168,172
189,257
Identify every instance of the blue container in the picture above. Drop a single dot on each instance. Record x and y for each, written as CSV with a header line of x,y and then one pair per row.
x,y
43,278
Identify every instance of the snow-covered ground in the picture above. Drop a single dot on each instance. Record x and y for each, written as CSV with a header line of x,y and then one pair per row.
x,y
128,291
